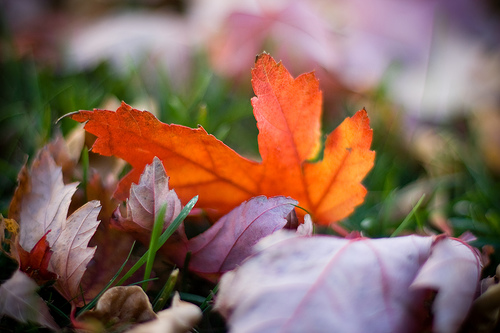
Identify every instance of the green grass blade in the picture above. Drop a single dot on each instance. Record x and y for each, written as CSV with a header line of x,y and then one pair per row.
x,y
162,239
206,303
157,227
192,298
407,220
165,292
142,281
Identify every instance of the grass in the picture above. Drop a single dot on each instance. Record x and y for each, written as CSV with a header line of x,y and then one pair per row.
x,y
33,97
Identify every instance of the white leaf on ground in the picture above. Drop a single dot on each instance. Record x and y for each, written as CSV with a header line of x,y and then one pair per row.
x,y
330,284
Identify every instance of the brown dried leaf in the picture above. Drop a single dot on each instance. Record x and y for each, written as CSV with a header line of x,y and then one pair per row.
x,y
117,308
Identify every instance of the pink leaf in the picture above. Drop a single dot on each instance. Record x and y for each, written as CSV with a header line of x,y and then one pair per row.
x,y
144,203
446,271
329,284
19,300
150,195
229,241
46,205
70,252
44,208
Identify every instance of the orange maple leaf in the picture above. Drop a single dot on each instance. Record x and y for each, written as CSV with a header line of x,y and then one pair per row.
x,y
288,113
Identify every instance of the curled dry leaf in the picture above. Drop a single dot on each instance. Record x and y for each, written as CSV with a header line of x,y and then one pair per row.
x,y
19,300
44,207
117,308
71,254
229,241
145,202
329,284
179,318
288,113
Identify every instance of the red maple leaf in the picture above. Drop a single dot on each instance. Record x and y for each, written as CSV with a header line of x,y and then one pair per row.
x,y
288,113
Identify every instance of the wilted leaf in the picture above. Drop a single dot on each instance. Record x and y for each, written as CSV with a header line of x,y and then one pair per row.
x,y
329,284
44,208
288,113
19,300
71,254
179,318
144,203
229,241
117,308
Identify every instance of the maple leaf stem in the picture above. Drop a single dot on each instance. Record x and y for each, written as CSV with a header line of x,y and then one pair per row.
x,y
162,239
156,232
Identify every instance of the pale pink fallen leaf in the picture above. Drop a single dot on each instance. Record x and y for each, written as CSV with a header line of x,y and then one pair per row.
x,y
145,202
330,284
152,192
453,269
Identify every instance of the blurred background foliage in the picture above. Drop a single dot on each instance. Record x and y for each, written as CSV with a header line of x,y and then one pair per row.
x,y
428,73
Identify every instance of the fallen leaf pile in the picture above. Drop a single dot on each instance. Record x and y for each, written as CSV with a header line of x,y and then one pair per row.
x,y
221,247
273,273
